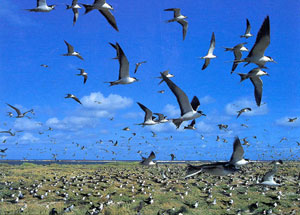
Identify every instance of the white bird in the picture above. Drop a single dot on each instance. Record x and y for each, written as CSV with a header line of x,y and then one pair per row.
x,y
210,54
124,77
178,17
247,32
71,51
42,7
268,178
237,51
148,119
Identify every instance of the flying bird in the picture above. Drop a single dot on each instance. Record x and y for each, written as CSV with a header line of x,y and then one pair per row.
x,y
188,110
137,65
191,126
167,74
124,77
71,51
3,150
148,119
75,8
237,51
148,161
254,76
20,115
104,8
243,110
72,97
247,32
84,74
293,119
210,54
42,7
178,17
161,118
257,53
268,179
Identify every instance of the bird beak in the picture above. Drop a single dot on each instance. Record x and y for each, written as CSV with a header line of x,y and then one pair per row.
x,y
203,114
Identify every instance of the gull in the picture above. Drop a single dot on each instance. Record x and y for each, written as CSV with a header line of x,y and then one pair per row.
x,y
247,32
254,76
210,54
42,7
72,97
188,110
137,65
84,74
243,110
3,150
148,161
20,115
104,8
71,51
178,17
148,119
161,118
191,126
124,77
75,8
268,178
167,74
293,119
237,51
257,53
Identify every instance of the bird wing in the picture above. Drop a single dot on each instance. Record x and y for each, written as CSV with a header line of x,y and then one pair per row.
x,y
70,48
76,14
184,24
258,87
212,44
148,113
206,63
238,151
193,123
176,11
16,109
262,39
182,98
80,57
136,67
74,2
76,99
248,28
269,175
110,18
85,78
195,103
124,64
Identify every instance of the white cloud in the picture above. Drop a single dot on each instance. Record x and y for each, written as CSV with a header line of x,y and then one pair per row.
x,y
163,127
207,100
171,111
134,115
285,122
26,124
204,127
71,123
233,107
28,137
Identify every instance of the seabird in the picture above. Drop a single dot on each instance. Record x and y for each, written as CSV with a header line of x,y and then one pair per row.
x,y
148,161
167,74
210,54
104,8
237,51
72,97
247,32
293,119
268,178
20,115
137,65
75,8
178,17
191,126
237,157
84,74
126,129
44,65
124,68
42,7
148,119
222,126
257,53
188,110
71,51
161,91
254,76
243,110
161,118
3,150
172,156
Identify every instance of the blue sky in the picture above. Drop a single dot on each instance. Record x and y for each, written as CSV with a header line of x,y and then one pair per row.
x,y
28,40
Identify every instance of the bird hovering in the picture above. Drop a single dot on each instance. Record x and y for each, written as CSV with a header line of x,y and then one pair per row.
x,y
178,17
137,65
237,51
42,7
72,97
188,110
247,32
243,110
148,119
71,51
20,115
104,8
84,74
124,77
210,54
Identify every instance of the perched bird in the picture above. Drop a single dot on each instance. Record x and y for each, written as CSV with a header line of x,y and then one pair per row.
x,y
210,54
148,161
84,74
243,110
75,8
268,178
124,77
72,97
247,32
257,53
167,74
148,119
42,7
71,51
20,115
237,51
254,76
293,119
188,110
137,65
104,8
191,126
178,17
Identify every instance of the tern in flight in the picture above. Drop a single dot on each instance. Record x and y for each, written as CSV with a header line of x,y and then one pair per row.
x,y
178,17
20,115
124,68
42,7
247,32
84,74
72,97
191,126
268,179
104,8
71,51
167,74
237,51
243,111
149,119
137,65
75,8
148,161
210,54
188,110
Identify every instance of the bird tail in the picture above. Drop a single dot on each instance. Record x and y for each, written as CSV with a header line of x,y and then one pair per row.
x,y
68,6
192,170
243,76
177,122
112,83
87,7
228,49
170,20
